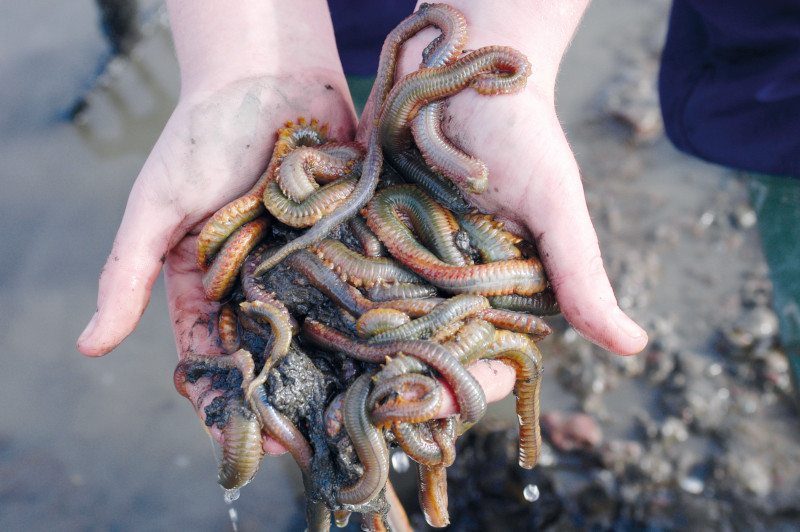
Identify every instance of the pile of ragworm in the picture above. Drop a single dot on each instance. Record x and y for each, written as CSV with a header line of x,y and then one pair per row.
x,y
354,280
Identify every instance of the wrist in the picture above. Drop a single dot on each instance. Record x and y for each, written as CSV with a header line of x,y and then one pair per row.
x,y
218,43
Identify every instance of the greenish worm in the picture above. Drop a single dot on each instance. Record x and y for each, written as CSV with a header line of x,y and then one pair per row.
x,y
521,353
369,444
449,310
524,277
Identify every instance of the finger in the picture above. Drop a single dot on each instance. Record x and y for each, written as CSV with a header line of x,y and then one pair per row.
x,y
541,189
496,378
568,246
130,271
190,313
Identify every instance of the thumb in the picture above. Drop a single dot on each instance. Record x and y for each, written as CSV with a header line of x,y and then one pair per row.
x,y
569,248
126,282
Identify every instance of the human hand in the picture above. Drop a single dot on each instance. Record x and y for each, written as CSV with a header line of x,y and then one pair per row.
x,y
212,150
535,187
534,180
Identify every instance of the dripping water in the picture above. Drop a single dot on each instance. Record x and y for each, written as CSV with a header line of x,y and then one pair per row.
x,y
531,493
400,462
229,496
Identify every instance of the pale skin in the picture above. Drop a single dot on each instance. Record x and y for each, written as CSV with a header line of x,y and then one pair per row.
x,y
246,70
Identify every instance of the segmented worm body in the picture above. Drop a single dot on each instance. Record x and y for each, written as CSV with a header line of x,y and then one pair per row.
x,y
394,291
432,478
320,203
542,304
414,168
327,282
524,277
250,206
488,70
277,317
455,308
242,449
435,226
370,245
444,432
318,516
400,364
369,444
441,51
504,319
518,322
304,168
468,393
228,327
471,340
218,280
446,332
275,424
418,443
227,220
359,270
379,320
441,156
489,238
407,398
521,353
432,482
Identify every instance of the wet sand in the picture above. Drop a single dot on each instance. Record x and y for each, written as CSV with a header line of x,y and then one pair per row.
x,y
102,444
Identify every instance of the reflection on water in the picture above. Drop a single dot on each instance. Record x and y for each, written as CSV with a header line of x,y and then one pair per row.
x,y
135,92
120,116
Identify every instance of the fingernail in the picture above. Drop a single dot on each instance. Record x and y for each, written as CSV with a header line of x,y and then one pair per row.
x,y
89,328
627,325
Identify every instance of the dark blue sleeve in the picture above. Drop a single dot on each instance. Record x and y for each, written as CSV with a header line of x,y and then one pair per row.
x,y
361,27
730,83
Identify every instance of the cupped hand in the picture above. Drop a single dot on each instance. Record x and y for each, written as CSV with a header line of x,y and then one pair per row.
x,y
534,182
536,188
212,150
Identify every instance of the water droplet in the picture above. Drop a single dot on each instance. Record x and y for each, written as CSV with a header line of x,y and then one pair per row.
x,y
692,485
400,462
531,493
231,495
706,219
234,516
